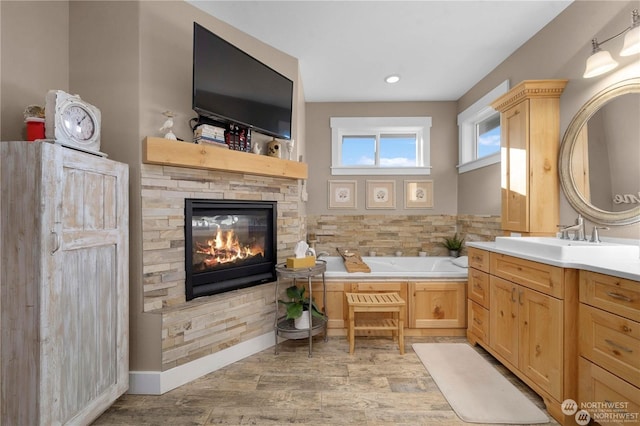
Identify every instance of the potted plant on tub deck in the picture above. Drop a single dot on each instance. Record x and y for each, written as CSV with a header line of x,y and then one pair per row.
x,y
453,244
299,306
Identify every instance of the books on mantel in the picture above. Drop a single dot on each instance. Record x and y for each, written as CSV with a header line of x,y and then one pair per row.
x,y
210,135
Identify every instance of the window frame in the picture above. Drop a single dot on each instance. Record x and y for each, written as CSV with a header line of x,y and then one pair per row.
x,y
467,135
377,126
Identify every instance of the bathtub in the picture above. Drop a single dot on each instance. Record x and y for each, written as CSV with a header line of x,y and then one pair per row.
x,y
398,267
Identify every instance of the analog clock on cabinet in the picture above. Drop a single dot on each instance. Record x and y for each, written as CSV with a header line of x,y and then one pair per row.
x,y
71,121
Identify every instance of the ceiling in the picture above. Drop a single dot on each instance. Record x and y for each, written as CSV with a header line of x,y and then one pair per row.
x,y
345,49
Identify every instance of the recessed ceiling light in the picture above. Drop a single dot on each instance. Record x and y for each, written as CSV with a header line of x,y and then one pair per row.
x,y
393,78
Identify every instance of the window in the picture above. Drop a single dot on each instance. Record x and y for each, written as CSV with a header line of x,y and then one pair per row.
x,y
479,132
380,145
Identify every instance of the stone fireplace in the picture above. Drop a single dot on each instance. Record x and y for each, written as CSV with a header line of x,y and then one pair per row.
x,y
195,329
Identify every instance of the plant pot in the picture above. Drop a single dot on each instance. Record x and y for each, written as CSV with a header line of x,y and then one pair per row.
x,y
302,323
454,253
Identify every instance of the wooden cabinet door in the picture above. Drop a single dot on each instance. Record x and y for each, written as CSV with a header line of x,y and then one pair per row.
x,y
503,319
92,297
540,340
515,168
437,305
336,303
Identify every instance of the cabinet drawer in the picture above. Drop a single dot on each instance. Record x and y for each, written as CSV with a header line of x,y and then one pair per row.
x,y
377,286
598,390
611,341
479,287
478,321
537,276
613,294
478,259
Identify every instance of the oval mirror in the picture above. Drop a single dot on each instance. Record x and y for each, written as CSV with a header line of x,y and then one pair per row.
x,y
600,156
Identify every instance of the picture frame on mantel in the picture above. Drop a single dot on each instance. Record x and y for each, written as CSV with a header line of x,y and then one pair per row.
x,y
343,194
418,194
381,194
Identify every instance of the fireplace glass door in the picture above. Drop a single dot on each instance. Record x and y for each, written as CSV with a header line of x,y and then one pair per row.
x,y
228,245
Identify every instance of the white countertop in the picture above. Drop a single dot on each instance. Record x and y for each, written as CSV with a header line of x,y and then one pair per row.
x,y
629,269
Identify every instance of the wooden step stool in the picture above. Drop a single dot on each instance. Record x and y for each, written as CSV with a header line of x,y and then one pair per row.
x,y
376,302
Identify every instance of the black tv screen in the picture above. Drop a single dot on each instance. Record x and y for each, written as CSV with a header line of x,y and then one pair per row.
x,y
233,87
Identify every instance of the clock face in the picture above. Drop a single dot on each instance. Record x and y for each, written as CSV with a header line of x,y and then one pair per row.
x,y
71,121
78,122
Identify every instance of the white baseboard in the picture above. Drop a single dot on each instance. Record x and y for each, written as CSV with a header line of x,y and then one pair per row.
x,y
159,382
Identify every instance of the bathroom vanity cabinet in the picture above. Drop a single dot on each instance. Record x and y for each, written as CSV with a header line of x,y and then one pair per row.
x,y
609,363
530,139
434,308
525,313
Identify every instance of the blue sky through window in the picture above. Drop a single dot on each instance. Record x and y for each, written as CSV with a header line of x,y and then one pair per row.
x,y
395,150
489,142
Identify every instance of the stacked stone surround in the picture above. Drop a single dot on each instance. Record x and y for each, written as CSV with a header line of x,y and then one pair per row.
x,y
191,330
387,234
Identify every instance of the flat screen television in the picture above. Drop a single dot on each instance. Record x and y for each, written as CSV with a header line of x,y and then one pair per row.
x,y
230,86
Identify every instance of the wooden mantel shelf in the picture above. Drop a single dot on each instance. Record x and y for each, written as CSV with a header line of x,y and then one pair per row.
x,y
184,154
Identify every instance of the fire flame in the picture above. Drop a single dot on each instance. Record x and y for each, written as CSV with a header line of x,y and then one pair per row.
x,y
225,248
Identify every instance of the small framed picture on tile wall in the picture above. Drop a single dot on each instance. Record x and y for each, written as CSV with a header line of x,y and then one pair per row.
x,y
342,194
418,194
381,194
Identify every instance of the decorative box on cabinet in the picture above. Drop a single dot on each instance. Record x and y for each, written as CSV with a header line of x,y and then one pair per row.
x,y
65,296
531,309
530,139
609,347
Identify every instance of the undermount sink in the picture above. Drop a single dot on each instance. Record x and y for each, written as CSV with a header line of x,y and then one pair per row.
x,y
568,250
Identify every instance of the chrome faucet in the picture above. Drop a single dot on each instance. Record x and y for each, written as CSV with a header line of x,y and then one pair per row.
x,y
595,237
578,228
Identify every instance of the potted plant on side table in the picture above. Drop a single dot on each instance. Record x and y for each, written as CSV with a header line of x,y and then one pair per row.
x,y
299,306
453,244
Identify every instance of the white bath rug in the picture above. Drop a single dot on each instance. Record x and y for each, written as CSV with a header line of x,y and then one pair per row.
x,y
476,391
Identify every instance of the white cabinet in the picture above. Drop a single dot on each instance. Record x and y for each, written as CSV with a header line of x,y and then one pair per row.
x,y
64,284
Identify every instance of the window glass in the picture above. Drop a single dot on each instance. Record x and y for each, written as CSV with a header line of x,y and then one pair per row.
x,y
488,136
398,150
358,150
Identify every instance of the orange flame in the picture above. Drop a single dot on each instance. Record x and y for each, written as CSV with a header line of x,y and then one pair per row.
x,y
225,248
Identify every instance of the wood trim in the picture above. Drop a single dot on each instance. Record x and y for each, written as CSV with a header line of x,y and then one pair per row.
x,y
529,89
166,152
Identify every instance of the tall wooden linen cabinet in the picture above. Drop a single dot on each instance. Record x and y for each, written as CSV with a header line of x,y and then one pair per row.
x,y
64,283
530,139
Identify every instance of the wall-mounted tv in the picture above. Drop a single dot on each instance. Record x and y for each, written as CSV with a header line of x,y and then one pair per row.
x,y
231,86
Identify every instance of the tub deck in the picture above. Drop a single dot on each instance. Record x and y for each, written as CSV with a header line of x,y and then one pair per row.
x,y
389,268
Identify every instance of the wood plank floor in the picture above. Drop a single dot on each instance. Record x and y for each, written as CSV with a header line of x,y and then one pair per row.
x,y
375,386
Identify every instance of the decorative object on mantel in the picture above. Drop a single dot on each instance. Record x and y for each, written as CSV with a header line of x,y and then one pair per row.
x,y
290,146
167,127
274,148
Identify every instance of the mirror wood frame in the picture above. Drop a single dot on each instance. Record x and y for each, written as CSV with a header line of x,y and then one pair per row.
x,y
568,145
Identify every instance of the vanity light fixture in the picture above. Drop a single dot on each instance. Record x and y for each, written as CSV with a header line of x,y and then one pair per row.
x,y
601,61
393,78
